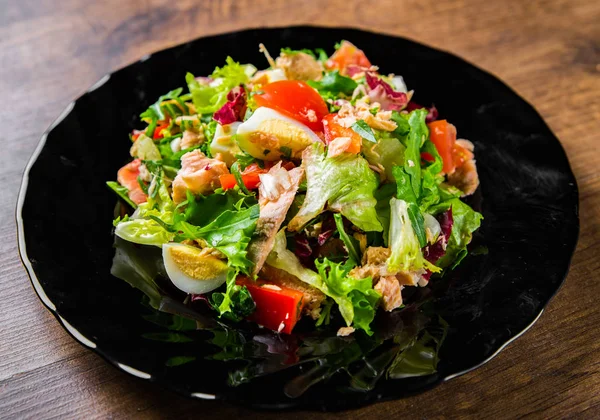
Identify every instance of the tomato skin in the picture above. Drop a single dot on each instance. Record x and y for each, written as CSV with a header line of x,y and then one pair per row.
x,y
127,177
443,136
157,131
332,130
295,99
250,178
274,307
347,55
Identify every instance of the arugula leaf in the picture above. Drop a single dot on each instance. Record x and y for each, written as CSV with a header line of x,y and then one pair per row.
x,y
350,243
335,83
235,170
229,233
122,192
362,128
155,112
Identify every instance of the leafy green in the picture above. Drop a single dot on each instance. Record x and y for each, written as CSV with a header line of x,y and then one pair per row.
x,y
235,170
350,243
235,303
362,128
229,233
345,183
335,83
146,225
383,195
403,128
155,111
201,210
208,99
356,299
387,152
405,248
122,192
466,221
412,156
406,193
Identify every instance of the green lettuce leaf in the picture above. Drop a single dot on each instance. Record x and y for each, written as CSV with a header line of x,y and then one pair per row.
x,y
405,248
466,221
344,183
208,99
147,224
387,152
356,299
235,303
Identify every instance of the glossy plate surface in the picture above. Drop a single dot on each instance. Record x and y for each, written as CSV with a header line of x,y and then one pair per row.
x,y
520,257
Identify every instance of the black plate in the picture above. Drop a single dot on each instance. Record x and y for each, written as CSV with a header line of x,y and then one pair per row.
x,y
528,196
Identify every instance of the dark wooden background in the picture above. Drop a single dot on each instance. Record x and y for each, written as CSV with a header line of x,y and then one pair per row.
x,y
549,51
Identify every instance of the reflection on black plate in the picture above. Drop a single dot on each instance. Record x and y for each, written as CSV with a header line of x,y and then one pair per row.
x,y
528,197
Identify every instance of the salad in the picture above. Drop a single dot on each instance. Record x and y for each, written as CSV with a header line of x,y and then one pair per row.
x,y
316,188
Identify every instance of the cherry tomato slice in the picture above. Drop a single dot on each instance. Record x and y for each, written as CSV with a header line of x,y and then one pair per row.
x,y
295,99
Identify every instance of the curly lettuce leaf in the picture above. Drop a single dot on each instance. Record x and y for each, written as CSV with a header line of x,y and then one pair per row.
x,y
466,221
344,183
209,97
235,303
356,299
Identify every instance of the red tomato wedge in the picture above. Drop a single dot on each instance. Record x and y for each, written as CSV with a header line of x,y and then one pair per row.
x,y
347,55
250,177
334,130
277,307
443,136
295,99
127,176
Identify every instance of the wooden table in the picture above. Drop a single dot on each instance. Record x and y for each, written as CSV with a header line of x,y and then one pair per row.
x,y
549,51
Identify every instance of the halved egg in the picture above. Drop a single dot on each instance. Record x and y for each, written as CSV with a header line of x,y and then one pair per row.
x,y
224,142
191,270
270,135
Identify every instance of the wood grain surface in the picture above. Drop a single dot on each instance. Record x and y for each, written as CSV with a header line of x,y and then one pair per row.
x,y
547,50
